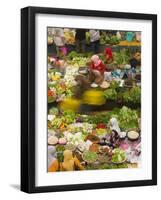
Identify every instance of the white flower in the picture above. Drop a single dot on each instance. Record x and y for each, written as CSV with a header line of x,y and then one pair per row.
x,y
51,117
68,136
78,135
58,73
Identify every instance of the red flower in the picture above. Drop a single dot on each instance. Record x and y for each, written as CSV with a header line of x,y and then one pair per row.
x,y
101,125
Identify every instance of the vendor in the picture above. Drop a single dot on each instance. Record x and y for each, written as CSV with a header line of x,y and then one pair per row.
x,y
136,60
108,55
80,40
57,63
59,41
96,71
95,40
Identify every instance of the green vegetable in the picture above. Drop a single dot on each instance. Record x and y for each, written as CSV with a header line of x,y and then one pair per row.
x,y
89,156
69,116
60,148
56,122
121,57
107,166
104,38
72,55
113,166
127,118
60,156
113,40
51,85
114,84
87,37
133,95
52,70
53,111
118,156
78,61
51,99
110,94
96,119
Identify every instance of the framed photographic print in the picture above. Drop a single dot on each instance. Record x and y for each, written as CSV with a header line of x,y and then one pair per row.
x,y
88,99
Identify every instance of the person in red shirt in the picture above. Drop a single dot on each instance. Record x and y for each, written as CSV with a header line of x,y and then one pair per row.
x,y
108,55
96,70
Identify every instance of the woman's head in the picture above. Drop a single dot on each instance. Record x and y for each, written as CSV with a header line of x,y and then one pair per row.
x,y
108,52
95,59
137,56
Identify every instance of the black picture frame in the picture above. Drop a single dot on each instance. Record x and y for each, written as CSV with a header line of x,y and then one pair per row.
x,y
28,98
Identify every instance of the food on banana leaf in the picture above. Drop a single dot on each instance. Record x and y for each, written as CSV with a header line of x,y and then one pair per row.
x,y
89,156
118,156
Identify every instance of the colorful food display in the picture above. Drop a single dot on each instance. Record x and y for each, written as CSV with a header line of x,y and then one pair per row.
x,y
94,102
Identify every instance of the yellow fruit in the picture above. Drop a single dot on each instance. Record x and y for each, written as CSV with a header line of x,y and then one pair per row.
x,y
55,77
54,166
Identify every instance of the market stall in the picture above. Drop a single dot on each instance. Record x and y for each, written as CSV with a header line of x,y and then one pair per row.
x,y
94,118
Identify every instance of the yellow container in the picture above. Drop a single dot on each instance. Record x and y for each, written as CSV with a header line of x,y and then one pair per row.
x,y
93,97
70,104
